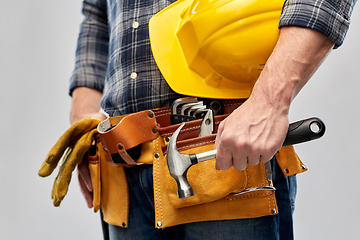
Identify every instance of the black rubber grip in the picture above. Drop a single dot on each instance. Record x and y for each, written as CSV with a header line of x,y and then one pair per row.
x,y
304,131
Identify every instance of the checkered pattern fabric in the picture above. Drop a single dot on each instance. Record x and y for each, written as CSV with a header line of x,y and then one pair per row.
x,y
330,17
114,54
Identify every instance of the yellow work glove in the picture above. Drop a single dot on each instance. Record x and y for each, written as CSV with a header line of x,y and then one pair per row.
x,y
70,148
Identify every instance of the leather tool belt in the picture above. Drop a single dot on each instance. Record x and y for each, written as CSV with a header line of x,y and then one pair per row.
x,y
141,138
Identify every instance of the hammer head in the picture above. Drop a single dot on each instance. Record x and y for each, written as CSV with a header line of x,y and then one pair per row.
x,y
178,165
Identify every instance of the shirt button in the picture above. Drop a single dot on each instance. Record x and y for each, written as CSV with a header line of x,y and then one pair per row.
x,y
133,75
135,25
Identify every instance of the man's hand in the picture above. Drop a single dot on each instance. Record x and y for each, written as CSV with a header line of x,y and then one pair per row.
x,y
257,129
84,179
251,134
86,103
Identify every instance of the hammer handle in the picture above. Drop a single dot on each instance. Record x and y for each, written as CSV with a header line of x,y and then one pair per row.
x,y
304,131
299,132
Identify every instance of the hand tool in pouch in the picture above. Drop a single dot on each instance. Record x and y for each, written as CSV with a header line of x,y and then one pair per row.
x,y
175,117
189,108
186,107
207,124
179,164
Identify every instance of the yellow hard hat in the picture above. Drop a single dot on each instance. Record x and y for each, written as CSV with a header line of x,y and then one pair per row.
x,y
214,48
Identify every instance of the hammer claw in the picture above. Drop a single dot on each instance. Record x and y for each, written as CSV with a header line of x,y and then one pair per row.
x,y
178,165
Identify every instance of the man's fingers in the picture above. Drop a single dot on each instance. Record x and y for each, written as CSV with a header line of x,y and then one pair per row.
x,y
223,160
219,133
240,155
84,190
84,172
266,158
85,182
240,162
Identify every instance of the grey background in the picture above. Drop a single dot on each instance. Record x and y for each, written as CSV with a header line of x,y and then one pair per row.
x,y
37,45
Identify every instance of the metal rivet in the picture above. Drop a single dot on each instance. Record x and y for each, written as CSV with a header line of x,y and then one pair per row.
x,y
159,224
151,114
133,75
154,130
120,147
157,155
124,224
286,170
303,167
135,25
167,139
273,211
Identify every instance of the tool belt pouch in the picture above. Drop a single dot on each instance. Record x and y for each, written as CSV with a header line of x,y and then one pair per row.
x,y
94,168
214,191
214,197
110,189
123,141
208,184
121,137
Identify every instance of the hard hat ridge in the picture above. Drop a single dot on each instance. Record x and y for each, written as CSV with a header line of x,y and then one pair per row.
x,y
214,48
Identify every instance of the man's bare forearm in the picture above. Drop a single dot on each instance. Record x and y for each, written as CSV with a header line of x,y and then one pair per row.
x,y
256,130
85,103
297,55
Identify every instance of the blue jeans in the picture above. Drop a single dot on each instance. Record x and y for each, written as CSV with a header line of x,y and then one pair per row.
x,y
142,216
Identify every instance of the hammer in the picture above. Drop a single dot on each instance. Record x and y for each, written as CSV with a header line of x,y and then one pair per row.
x,y
179,164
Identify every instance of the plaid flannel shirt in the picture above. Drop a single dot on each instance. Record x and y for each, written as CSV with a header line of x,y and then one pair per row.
x,y
114,56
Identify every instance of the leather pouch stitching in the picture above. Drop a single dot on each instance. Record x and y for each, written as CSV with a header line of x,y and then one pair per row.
x,y
208,183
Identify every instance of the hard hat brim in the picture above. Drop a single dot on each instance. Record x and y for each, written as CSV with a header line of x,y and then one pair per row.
x,y
172,64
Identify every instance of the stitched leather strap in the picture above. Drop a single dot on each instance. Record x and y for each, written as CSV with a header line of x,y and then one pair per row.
x,y
129,132
122,135
163,114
